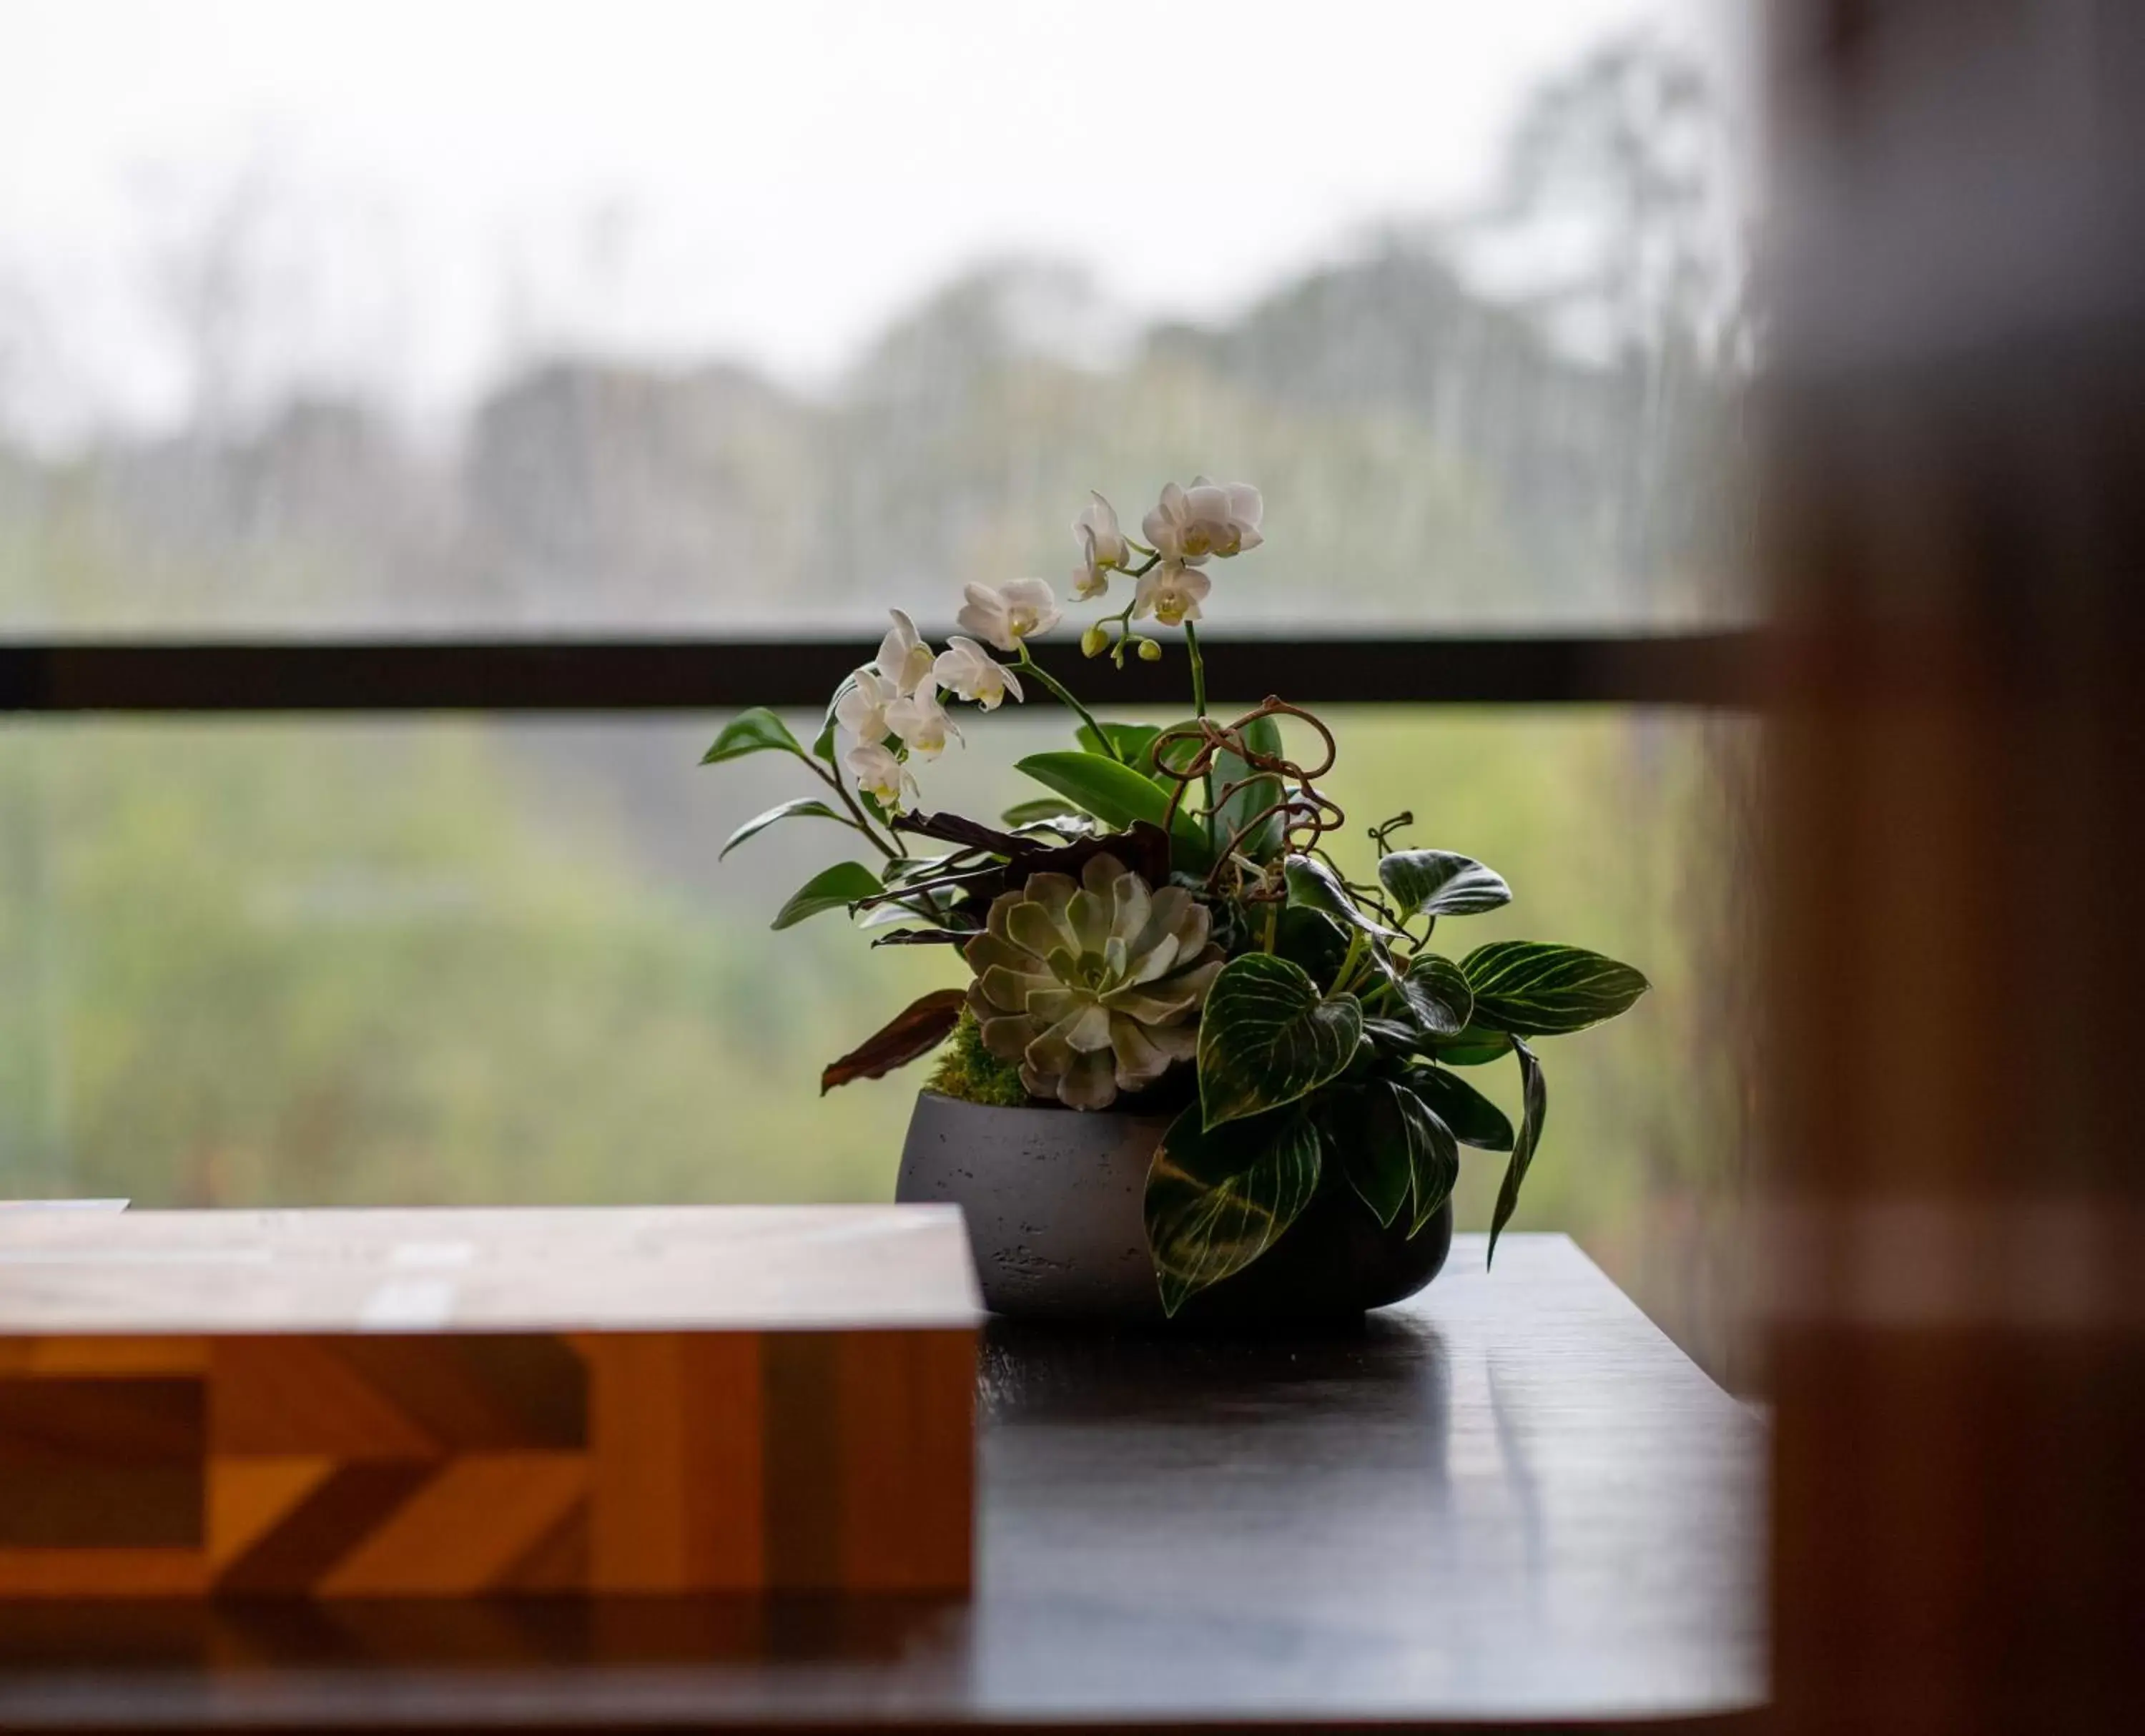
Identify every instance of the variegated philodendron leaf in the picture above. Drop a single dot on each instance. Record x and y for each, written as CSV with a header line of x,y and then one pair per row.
x,y
1313,886
1531,989
1533,1094
1474,1119
1267,1035
1396,1153
1218,1198
1436,883
1436,992
1477,1046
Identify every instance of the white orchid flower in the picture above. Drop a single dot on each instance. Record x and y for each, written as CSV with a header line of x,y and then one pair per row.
x,y
1208,518
1172,593
881,776
904,659
862,710
1102,546
974,674
921,721
1009,612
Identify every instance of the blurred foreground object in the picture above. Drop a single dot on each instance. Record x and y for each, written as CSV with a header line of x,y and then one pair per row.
x,y
449,1404
1958,534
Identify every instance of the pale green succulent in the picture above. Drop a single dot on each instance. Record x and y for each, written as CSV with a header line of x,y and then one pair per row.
x,y
1092,987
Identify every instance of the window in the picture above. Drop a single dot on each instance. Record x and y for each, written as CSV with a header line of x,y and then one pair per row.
x,y
698,327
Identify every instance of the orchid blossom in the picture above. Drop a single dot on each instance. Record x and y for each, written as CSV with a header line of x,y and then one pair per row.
x,y
903,659
862,710
1172,593
1102,548
973,674
1208,518
1007,613
921,721
881,776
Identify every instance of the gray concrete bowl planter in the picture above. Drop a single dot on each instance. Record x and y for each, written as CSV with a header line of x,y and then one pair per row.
x,y
1052,1198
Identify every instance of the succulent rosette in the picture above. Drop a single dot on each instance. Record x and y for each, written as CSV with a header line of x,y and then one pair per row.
x,y
1170,926
1092,986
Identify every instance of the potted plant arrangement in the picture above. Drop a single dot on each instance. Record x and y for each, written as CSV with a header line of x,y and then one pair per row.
x,y
1194,1069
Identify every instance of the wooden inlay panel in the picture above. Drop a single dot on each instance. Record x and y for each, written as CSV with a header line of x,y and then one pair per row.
x,y
710,1420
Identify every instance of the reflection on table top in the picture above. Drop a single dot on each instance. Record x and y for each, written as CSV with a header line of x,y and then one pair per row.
x,y
1511,1499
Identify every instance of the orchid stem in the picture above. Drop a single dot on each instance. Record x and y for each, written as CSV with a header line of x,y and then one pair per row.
x,y
860,821
1058,687
1199,709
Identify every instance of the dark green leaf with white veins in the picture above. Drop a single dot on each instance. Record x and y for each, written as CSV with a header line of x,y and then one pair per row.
x,y
1313,886
1436,883
756,731
1396,1153
1218,1198
833,889
1314,942
1535,1095
1531,989
803,807
1474,1119
1436,992
1267,1035
1477,1046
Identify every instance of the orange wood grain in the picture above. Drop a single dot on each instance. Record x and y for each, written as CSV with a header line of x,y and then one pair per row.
x,y
93,1573
467,1529
907,1522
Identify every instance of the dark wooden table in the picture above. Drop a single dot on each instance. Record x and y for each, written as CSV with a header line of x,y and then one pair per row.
x,y
1510,1501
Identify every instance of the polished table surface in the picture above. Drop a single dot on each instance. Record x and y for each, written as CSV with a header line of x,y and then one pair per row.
x,y
1508,1501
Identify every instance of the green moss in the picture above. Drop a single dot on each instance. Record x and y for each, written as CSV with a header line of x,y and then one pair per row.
x,y
968,1070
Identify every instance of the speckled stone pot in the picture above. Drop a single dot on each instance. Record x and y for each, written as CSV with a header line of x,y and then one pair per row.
x,y
1052,1201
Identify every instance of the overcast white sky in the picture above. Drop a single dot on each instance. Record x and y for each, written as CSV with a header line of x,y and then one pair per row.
x,y
769,180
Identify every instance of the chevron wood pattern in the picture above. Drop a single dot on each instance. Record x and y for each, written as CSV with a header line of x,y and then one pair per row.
x,y
735,1443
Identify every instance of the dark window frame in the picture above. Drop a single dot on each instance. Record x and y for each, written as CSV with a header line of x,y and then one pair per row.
x,y
334,674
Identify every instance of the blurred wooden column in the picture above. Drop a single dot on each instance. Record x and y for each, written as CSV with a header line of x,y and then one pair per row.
x,y
1957,534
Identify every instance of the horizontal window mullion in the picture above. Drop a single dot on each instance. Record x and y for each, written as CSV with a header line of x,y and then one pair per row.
x,y
722,675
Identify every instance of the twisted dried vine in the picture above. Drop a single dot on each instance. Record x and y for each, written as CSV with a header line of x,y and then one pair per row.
x,y
1306,812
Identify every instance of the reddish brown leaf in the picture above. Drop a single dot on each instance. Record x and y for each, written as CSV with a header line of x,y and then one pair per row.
x,y
916,1030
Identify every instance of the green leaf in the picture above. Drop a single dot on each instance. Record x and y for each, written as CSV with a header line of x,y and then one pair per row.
x,y
1266,1037
1311,940
1217,1199
1436,883
833,889
823,745
1477,1046
1533,1094
1313,886
1395,1151
1474,1119
1042,811
1433,1156
1436,992
1132,741
1264,842
1533,989
803,807
755,731
1118,796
